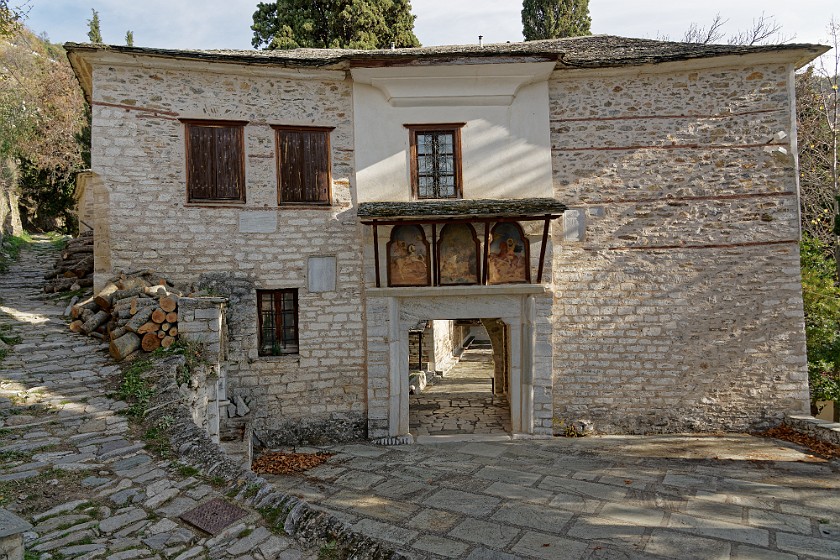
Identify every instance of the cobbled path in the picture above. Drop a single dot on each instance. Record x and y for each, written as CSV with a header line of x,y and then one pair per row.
x,y
68,462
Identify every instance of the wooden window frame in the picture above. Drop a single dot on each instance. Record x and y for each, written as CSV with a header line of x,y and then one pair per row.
x,y
326,130
239,126
445,128
278,325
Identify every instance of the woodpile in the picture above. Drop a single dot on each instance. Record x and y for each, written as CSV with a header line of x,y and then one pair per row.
x,y
74,269
133,312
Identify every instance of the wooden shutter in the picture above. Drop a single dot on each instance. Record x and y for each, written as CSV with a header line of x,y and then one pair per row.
x,y
304,165
228,163
200,173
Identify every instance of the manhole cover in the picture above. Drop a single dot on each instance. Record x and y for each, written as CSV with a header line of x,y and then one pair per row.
x,y
213,516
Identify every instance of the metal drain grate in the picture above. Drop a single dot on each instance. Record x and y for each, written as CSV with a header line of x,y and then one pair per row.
x,y
212,517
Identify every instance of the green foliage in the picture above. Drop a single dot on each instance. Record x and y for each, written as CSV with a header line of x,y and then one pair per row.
x,y
129,38
47,198
339,24
555,19
10,248
821,298
135,389
94,33
10,17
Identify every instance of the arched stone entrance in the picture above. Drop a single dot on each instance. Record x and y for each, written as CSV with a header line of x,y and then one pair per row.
x,y
392,312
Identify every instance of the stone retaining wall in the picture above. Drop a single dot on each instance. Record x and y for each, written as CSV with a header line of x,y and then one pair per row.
x,y
814,427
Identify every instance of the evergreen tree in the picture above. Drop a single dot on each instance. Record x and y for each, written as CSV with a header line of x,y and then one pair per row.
x,y
94,34
343,24
554,19
129,38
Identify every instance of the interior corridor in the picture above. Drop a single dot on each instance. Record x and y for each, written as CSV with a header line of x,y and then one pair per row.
x,y
462,402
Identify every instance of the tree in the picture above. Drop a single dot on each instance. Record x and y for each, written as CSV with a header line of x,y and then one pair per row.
x,y
555,19
342,24
94,33
10,18
41,118
129,38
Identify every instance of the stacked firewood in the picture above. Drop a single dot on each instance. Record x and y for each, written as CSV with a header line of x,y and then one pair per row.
x,y
74,269
133,312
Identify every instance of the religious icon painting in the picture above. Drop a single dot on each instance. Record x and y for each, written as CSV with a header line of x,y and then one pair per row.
x,y
507,261
458,255
408,257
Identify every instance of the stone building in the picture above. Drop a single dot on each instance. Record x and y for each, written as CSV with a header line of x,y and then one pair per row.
x,y
621,213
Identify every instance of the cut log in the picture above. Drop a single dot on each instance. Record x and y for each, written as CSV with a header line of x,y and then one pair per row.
x,y
97,320
122,294
169,303
69,309
148,327
124,345
135,302
165,327
155,291
150,342
159,315
76,326
104,298
134,283
118,332
167,341
172,317
161,334
137,321
173,331
86,314
83,267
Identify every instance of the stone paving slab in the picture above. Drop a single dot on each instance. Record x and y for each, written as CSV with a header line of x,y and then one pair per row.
x,y
60,425
632,497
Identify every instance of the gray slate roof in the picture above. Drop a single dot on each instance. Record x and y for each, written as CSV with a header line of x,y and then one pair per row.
x,y
594,51
477,208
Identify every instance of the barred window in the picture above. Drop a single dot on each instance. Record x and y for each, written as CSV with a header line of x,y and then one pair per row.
x,y
436,160
278,322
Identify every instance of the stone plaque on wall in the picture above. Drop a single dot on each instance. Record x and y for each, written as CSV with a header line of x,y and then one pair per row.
x,y
574,225
321,274
257,222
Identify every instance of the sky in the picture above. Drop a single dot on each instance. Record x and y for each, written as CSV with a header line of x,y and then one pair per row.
x,y
225,24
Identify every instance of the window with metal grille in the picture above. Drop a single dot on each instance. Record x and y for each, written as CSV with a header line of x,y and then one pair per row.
x,y
436,160
215,160
303,164
278,322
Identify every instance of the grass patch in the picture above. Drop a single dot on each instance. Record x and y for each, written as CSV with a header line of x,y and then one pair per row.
x,y
9,456
157,437
329,551
57,240
275,517
11,247
67,296
135,389
191,351
187,470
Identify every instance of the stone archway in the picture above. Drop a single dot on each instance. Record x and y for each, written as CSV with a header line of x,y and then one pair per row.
x,y
390,315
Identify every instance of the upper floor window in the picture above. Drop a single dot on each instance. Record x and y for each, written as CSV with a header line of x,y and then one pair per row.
x,y
436,160
215,153
303,164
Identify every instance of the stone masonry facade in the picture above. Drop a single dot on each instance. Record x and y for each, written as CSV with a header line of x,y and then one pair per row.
x,y
681,308
670,299
136,114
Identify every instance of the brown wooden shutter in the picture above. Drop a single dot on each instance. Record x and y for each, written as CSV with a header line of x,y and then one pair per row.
x,y
304,166
200,163
228,163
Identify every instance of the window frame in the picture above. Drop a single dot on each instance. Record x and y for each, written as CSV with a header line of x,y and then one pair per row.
x,y
278,316
239,126
444,128
326,131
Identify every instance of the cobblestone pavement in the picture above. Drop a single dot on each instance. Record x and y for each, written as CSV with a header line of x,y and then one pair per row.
x,y
729,497
461,402
68,463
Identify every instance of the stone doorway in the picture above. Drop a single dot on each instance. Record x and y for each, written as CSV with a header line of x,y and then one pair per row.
x,y
524,311
467,399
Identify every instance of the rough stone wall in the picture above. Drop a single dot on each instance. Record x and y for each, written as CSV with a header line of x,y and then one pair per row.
x,y
679,307
138,152
444,339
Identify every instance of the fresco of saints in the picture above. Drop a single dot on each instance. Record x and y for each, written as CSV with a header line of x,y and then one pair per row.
x,y
507,262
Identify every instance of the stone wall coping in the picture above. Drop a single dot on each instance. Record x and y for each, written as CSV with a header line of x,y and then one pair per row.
x,y
205,299
821,429
11,524
459,291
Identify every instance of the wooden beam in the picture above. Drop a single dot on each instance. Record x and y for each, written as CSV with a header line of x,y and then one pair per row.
x,y
542,248
486,253
376,253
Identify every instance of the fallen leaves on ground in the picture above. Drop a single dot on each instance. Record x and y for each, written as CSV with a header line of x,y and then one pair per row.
x,y
287,463
819,447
